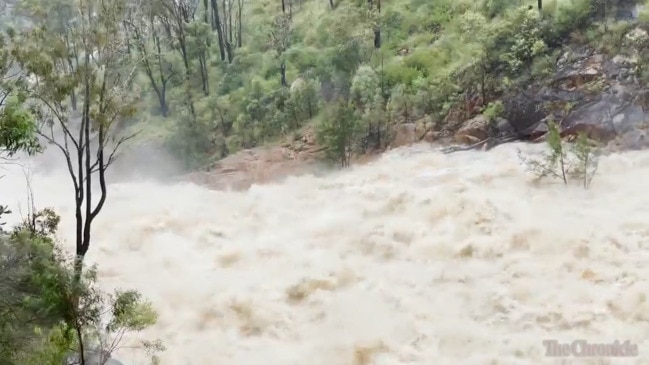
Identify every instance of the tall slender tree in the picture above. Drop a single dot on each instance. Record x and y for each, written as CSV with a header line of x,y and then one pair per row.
x,y
87,139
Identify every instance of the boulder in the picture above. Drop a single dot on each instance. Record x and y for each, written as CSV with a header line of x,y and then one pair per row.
x,y
504,127
473,130
480,128
524,111
404,134
432,136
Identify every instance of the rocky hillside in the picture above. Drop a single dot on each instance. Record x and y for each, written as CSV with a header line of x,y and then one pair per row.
x,y
600,92
603,95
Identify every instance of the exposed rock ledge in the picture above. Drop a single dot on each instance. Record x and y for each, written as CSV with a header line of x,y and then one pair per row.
x,y
267,164
609,101
262,165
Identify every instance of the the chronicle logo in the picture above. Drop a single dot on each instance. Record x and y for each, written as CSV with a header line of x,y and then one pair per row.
x,y
583,348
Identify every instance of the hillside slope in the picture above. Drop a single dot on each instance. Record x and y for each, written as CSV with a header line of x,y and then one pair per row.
x,y
437,65
448,69
218,76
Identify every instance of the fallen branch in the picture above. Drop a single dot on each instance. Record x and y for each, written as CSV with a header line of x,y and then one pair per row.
x,y
486,141
451,149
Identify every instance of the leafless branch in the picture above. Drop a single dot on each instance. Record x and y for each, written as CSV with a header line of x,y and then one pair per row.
x,y
112,155
66,154
4,97
62,120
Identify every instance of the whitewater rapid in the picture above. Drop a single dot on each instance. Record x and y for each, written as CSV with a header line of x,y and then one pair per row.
x,y
417,258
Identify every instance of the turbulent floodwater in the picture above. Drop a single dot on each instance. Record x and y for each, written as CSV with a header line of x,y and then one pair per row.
x,y
418,258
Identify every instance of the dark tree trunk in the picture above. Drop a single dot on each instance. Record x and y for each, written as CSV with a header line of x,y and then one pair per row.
x,y
216,25
282,70
377,29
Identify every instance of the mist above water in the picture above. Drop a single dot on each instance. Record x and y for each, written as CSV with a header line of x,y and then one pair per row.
x,y
417,258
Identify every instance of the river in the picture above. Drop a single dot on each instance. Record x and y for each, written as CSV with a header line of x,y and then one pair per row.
x,y
416,258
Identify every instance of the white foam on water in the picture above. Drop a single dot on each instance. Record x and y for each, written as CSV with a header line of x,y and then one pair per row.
x,y
416,258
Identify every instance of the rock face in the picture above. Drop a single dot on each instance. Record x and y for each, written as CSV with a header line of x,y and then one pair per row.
x,y
262,165
408,133
593,93
479,128
473,130
404,135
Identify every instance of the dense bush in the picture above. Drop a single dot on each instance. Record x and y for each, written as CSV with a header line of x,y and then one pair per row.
x,y
47,314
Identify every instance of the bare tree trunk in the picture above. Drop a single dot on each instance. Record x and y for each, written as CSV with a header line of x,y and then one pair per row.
x,y
216,25
228,47
202,59
377,32
227,29
239,23
282,70
230,35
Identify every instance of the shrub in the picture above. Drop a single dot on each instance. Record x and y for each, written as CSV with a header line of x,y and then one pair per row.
x,y
579,161
48,314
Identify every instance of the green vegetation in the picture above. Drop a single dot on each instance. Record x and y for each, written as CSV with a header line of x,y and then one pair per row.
x,y
47,313
578,161
214,76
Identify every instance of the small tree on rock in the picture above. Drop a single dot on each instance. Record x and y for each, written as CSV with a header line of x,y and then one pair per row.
x,y
578,161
